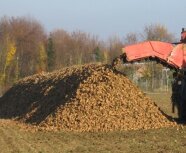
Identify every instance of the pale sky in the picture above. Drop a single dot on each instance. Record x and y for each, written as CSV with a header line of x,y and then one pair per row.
x,y
100,17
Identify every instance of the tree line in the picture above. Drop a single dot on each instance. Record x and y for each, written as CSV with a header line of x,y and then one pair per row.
x,y
26,48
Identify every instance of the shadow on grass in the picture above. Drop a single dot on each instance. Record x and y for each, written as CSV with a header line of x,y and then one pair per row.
x,y
173,119
180,121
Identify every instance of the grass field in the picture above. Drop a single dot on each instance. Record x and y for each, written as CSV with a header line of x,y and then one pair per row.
x,y
163,101
165,140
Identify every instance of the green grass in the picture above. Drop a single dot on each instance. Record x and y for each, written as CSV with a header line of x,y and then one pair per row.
x,y
165,140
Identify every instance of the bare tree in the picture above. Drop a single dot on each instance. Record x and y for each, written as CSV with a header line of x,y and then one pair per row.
x,y
157,32
131,38
74,48
115,46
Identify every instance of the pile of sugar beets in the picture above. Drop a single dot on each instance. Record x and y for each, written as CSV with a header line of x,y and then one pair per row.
x,y
91,97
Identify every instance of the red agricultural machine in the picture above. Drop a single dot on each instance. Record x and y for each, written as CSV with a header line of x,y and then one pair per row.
x,y
171,55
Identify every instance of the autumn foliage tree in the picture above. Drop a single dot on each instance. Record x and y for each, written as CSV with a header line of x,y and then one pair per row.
x,y
21,39
26,48
10,56
42,58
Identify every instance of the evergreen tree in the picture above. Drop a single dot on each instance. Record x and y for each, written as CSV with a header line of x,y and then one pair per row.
x,y
99,55
50,54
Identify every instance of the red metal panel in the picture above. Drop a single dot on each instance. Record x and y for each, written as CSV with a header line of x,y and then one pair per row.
x,y
184,56
178,56
148,49
161,49
137,51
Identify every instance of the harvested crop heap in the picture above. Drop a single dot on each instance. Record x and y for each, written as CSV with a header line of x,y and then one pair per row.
x,y
81,98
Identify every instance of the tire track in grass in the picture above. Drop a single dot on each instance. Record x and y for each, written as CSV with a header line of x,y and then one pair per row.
x,y
14,141
8,141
